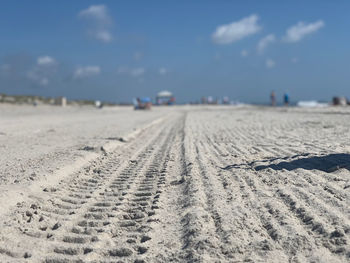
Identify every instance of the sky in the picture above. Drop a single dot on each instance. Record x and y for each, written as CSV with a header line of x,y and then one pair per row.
x,y
117,50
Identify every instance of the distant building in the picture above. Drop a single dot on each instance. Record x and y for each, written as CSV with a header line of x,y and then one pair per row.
x,y
61,101
165,98
98,104
342,101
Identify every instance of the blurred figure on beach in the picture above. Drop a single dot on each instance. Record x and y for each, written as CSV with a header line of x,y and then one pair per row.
x,y
286,99
142,103
273,98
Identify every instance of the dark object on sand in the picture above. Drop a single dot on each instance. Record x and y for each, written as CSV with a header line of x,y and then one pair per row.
x,y
143,104
286,99
273,98
342,101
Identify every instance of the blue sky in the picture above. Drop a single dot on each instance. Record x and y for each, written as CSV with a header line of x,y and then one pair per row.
x,y
116,50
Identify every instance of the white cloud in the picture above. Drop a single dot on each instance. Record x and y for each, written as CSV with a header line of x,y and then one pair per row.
x,y
264,42
83,72
163,71
299,31
103,35
229,33
45,61
100,21
137,56
96,12
42,72
270,63
38,77
44,81
137,72
244,53
133,72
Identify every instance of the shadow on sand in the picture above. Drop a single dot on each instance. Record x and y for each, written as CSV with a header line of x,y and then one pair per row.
x,y
328,163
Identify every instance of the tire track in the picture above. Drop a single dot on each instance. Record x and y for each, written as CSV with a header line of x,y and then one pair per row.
x,y
164,197
98,200
278,213
138,189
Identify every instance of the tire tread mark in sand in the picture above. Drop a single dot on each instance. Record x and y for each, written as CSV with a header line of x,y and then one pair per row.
x,y
51,218
327,185
133,206
194,236
87,225
189,220
271,226
334,240
209,191
307,217
188,232
316,187
84,186
78,192
142,202
335,216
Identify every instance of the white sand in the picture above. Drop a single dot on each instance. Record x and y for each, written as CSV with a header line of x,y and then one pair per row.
x,y
185,184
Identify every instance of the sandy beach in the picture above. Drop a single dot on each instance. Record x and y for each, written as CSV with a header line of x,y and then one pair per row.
x,y
174,184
